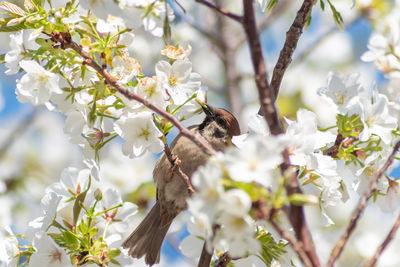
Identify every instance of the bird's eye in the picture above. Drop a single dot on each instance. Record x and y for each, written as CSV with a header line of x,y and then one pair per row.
x,y
221,122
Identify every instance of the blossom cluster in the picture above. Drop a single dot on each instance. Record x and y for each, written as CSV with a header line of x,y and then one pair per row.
x,y
96,113
81,224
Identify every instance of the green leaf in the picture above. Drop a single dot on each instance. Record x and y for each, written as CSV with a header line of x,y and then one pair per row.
x,y
271,250
38,3
12,8
302,199
272,4
322,4
78,206
114,252
70,240
336,15
83,228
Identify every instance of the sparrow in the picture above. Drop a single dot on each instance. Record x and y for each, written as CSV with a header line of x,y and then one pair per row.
x,y
217,129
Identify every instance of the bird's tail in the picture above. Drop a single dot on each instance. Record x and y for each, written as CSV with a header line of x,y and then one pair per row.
x,y
147,238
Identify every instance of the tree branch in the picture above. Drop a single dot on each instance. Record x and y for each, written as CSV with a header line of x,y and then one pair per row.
x,y
66,42
355,216
223,11
267,98
292,37
265,92
205,258
381,248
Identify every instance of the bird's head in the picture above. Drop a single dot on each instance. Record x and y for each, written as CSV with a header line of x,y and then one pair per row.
x,y
219,123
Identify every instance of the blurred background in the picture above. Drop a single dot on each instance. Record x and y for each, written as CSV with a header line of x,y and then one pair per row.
x,y
34,149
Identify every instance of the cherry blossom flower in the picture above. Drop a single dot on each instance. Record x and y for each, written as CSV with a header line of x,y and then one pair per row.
x,y
125,68
9,250
177,52
37,85
49,205
151,89
341,89
303,137
374,112
117,218
256,162
140,133
19,42
178,79
47,252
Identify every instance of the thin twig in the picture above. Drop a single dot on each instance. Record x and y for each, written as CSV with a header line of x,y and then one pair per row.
x,y
297,246
66,42
205,258
292,37
384,244
223,11
175,162
355,216
265,92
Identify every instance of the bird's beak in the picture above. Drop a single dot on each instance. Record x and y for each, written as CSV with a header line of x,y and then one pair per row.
x,y
208,110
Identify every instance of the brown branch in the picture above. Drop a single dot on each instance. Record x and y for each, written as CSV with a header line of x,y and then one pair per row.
x,y
381,248
292,37
265,92
205,258
297,246
355,216
175,162
267,98
223,11
66,42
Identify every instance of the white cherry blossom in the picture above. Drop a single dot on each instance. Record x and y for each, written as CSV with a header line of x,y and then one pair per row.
x,y
341,89
178,79
48,253
150,89
374,112
125,68
140,133
37,85
9,250
256,162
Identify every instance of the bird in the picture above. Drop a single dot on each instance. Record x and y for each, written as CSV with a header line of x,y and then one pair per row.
x,y
218,127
